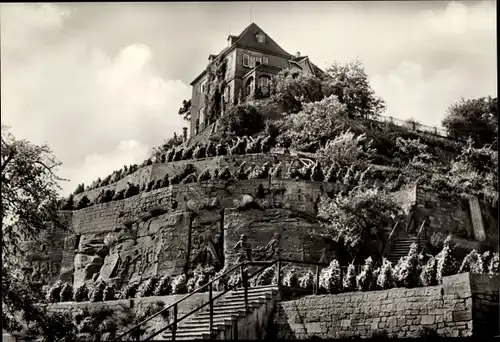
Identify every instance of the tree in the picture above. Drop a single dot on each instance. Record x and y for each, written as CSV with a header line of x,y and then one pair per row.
x,y
29,207
242,120
349,82
474,118
185,110
346,149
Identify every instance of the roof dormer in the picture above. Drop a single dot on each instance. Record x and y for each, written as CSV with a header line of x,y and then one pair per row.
x,y
261,37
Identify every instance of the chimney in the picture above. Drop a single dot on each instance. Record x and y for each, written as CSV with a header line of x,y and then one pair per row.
x,y
297,54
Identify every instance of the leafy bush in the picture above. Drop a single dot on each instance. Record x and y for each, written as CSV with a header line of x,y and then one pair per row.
x,y
254,146
129,291
79,189
446,263
239,148
277,170
385,279
132,190
81,293
291,279
219,284
331,174
170,155
305,172
306,281
472,263
158,184
241,173
241,120
376,273
187,153
494,265
330,278
204,176
225,174
211,150
408,272
221,149
163,287
178,154
107,196
428,277
84,202
364,280
150,185
179,284
54,293
317,174
109,293
200,152
68,204
266,277
260,172
192,178
267,144
188,170
98,292
166,181
147,288
349,282
66,293
119,195
485,258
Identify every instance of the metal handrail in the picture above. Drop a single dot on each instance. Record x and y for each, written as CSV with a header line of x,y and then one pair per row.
x,y
389,240
424,229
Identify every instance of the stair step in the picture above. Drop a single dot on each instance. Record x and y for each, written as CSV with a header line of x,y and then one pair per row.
x,y
260,299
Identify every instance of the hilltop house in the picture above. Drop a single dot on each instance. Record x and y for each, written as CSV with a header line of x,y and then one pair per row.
x,y
252,58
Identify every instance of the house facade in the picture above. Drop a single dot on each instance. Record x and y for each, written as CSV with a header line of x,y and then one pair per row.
x,y
252,58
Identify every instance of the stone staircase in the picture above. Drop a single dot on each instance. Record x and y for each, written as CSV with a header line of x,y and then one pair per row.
x,y
401,247
227,312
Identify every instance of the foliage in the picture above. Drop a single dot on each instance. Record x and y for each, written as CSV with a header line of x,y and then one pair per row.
x,y
241,173
147,288
242,120
474,118
109,292
364,280
211,150
267,144
191,178
292,88
234,279
66,292
239,147
472,263
163,287
81,293
119,195
170,155
178,154
330,279
129,291
68,204
79,189
494,265
317,174
221,149
185,110
106,196
349,82
200,152
98,292
132,190
306,281
408,271
277,170
225,174
266,277
346,150
255,146
260,172
349,283
446,263
216,74
359,216
219,284
385,279
179,284
428,277
54,293
84,202
204,176
188,169
187,153
291,278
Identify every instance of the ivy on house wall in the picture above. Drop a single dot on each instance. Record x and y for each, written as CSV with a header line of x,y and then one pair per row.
x,y
216,82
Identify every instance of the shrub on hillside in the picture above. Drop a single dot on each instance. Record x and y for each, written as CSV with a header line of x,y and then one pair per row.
x,y
291,278
385,279
260,172
211,150
81,294
277,170
408,272
241,120
98,292
191,178
188,169
331,174
200,152
306,281
119,195
68,204
446,263
187,153
317,174
221,283
349,282
241,173
129,291
147,288
179,284
170,155
107,196
239,148
485,258
79,189
84,202
330,279
163,287
204,176
158,184
221,149
254,146
109,292
364,280
166,181
305,172
266,277
132,190
225,174
66,293
178,154
472,263
494,265
267,144
428,277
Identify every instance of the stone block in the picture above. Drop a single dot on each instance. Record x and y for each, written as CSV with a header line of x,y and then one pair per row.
x,y
428,319
464,315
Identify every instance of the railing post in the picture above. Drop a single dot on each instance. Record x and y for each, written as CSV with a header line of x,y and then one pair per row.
x,y
242,276
210,298
138,334
174,327
279,272
316,288
245,288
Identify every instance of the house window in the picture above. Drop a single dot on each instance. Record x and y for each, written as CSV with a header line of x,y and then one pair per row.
x,y
202,86
261,38
246,61
201,117
249,86
258,61
264,84
252,62
265,60
227,93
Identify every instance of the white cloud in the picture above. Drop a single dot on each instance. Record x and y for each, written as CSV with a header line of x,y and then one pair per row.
x,y
58,89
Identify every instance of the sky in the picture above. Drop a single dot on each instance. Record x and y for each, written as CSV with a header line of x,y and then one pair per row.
x,y
101,83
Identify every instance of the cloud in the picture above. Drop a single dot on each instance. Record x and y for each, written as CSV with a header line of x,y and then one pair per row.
x,y
85,103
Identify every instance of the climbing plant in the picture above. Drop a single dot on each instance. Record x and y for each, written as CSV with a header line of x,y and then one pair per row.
x,y
216,75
